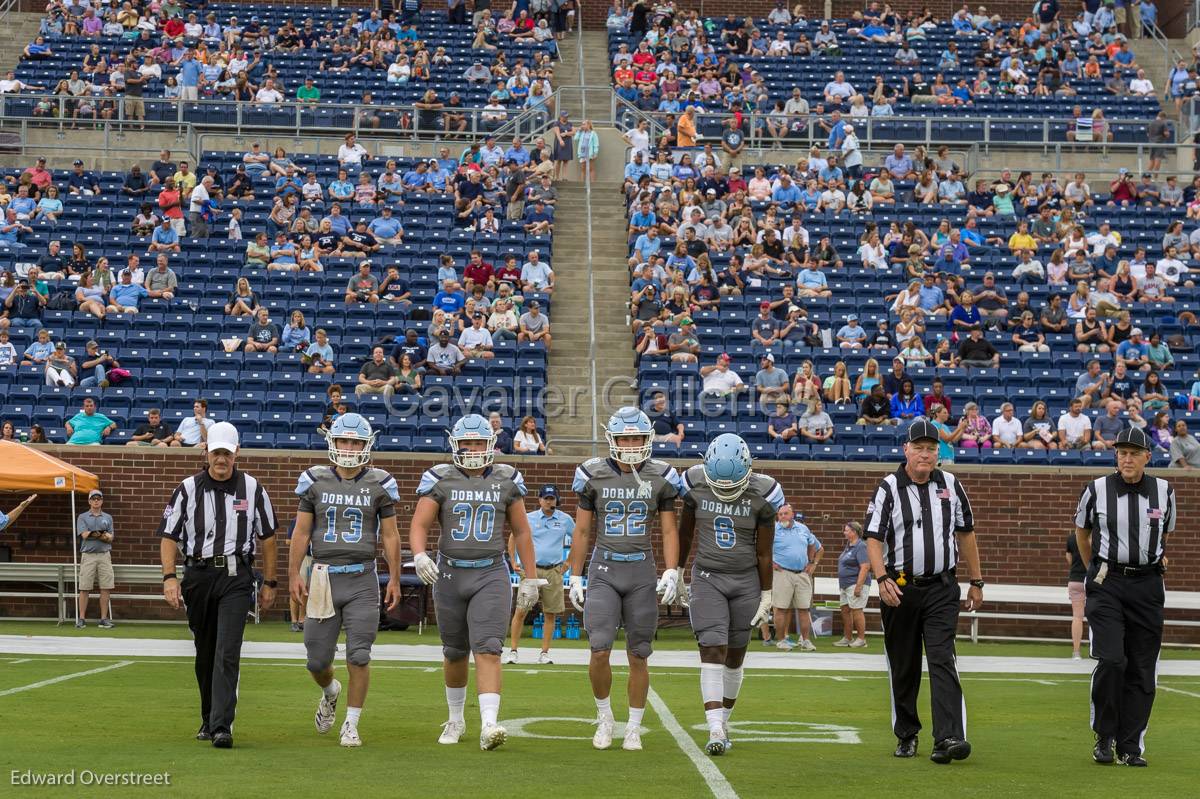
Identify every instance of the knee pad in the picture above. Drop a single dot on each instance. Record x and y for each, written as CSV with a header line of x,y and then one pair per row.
x,y
712,638
316,666
489,646
454,653
359,656
641,649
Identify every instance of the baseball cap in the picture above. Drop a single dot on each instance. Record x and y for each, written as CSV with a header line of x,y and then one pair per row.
x,y
764,304
78,162
724,356
1132,437
548,490
223,435
769,357
687,320
920,430
1137,331
852,317
95,492
534,304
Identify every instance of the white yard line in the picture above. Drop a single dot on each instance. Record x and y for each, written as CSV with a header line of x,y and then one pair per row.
x,y
720,787
1178,691
65,677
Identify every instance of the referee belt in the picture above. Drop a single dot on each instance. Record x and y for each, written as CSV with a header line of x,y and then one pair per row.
x,y
622,557
549,565
481,563
924,582
218,561
1125,570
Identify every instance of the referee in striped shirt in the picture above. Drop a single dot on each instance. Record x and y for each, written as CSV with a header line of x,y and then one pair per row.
x,y
214,519
918,524
1121,526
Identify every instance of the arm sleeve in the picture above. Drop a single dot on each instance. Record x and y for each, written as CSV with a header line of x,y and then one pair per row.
x,y
964,518
303,490
518,481
774,496
1169,517
428,485
264,512
172,524
879,514
583,488
385,501
1086,508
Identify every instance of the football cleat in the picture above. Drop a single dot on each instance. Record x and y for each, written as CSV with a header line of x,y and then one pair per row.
x,y
633,739
725,732
492,737
327,710
452,731
350,735
604,732
716,743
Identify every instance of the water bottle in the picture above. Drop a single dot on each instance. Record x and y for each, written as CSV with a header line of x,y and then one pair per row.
x,y
537,626
558,628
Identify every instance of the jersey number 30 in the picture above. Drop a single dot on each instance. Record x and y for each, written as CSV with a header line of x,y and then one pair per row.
x,y
619,520
354,520
473,521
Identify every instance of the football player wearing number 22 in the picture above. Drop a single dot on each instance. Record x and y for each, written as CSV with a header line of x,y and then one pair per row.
x,y
470,499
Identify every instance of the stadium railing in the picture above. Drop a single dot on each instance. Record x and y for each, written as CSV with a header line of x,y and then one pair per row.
x,y
58,580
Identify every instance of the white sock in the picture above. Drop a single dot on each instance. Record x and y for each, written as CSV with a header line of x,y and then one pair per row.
x,y
732,679
714,718
352,714
332,689
711,682
635,717
604,707
456,700
489,708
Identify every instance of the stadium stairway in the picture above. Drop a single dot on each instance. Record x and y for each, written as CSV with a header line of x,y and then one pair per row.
x,y
570,369
17,31
595,72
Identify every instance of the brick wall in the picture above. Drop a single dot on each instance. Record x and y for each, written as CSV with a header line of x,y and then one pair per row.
x,y
1022,515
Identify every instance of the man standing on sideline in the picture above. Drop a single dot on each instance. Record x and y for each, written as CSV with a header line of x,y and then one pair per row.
x,y
353,507
6,519
95,531
919,523
552,530
214,519
794,559
1121,526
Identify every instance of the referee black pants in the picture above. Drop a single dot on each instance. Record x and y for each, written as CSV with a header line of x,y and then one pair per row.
x,y
929,615
1125,616
217,605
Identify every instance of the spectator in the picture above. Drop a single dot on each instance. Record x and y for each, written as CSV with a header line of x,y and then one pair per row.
x,y
905,404
376,376
1091,334
87,426
527,440
503,438
534,326
242,301
976,430
719,380
408,377
263,335
125,296
161,282
794,556
536,276
39,351
1153,394
8,353
61,369
782,426
1074,428
836,387
296,337
978,352
95,530
770,383
97,362
444,357
1107,426
1185,449
1091,385
854,585
1027,336
937,396
1006,428
154,432
164,238
24,307
851,335
1134,352
947,436
815,425
475,341
363,287
876,409
11,231
318,356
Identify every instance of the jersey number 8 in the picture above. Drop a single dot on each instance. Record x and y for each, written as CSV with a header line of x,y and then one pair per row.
x,y
621,520
726,534
354,517
473,521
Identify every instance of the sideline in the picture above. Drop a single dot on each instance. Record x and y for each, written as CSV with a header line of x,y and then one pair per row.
x,y
64,678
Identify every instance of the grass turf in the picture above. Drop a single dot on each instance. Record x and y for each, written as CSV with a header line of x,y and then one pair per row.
x,y
1030,735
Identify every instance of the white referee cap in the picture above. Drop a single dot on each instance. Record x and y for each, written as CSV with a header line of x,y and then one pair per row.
x,y
223,435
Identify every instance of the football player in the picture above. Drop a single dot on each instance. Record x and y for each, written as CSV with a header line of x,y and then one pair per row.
x,y
731,512
621,495
349,506
470,500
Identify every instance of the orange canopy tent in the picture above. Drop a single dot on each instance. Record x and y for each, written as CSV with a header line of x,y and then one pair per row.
x,y
28,469
25,468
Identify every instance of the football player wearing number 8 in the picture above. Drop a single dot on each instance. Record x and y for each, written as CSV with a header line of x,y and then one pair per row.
x,y
730,511
350,507
470,499
620,496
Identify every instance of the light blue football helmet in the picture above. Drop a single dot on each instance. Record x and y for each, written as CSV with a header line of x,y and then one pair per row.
x,y
472,427
629,421
354,427
727,466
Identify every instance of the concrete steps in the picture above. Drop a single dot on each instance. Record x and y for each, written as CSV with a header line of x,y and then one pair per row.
x,y
17,31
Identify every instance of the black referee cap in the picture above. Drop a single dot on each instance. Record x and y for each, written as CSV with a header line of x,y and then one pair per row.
x,y
1132,437
922,429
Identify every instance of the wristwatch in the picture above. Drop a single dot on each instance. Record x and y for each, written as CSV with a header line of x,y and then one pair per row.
x,y
976,584
271,583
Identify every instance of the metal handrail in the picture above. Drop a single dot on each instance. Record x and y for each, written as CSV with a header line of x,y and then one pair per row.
x,y
1170,55
6,7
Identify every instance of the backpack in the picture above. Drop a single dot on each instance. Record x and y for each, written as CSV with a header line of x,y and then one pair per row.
x,y
61,301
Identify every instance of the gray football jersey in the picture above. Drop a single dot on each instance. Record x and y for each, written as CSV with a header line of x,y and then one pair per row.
x,y
727,532
625,507
346,513
472,509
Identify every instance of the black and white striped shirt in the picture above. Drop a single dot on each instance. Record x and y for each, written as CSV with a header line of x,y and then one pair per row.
x,y
1129,522
211,518
917,522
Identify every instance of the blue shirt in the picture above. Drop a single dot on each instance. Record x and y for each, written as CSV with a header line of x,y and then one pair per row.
x,y
449,301
518,154
384,228
3,520
165,235
189,72
791,545
88,428
647,246
812,279
789,195
127,296
930,297
339,224
634,170
551,534
1128,350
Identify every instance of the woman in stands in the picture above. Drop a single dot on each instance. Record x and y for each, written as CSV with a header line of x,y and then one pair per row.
x,y
1160,430
867,379
102,275
977,430
90,297
914,353
242,300
1154,394
1039,429
49,207
527,440
806,386
947,437
837,385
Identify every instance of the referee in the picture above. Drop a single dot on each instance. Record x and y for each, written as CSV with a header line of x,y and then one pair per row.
x,y
213,518
918,521
1121,526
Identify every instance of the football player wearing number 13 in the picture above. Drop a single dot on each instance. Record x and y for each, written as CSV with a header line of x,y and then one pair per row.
x,y
470,500
621,495
349,506
731,512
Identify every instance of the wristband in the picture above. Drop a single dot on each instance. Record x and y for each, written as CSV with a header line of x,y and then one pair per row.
x,y
171,576
976,584
883,579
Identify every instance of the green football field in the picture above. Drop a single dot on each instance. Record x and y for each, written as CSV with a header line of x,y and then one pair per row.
x,y
794,732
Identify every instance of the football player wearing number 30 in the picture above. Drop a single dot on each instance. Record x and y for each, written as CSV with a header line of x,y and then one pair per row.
x,y
730,511
620,496
470,500
345,509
